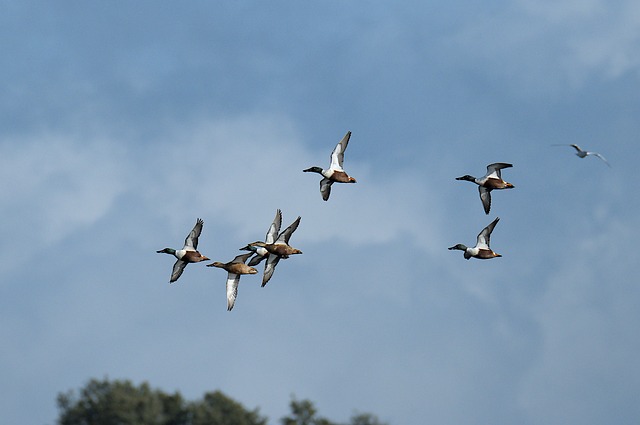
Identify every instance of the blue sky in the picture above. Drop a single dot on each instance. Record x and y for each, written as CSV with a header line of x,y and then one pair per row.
x,y
122,122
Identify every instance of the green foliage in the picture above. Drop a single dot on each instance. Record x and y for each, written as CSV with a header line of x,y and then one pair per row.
x,y
122,403
303,412
218,409
365,419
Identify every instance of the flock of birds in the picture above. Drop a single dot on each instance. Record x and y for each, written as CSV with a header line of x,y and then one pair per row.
x,y
490,181
276,244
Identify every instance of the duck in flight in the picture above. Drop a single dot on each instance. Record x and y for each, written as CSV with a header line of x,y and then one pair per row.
x,y
491,180
188,253
335,173
482,249
235,268
275,247
272,235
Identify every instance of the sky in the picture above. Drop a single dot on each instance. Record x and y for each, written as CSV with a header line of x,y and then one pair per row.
x,y
121,123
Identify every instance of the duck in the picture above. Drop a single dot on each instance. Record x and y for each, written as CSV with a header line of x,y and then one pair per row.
x,y
235,268
276,250
335,173
189,252
491,180
583,154
482,250
272,235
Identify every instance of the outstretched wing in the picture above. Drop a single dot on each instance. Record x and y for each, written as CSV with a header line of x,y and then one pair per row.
x,y
284,236
577,148
191,242
337,156
269,268
242,258
485,235
232,289
485,197
274,229
256,260
599,156
325,188
493,170
178,268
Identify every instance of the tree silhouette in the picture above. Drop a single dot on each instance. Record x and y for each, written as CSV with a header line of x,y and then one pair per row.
x,y
104,402
120,402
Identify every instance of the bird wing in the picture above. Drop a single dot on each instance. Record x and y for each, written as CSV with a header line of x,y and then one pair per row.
x,y
325,188
284,236
599,156
485,197
191,242
269,268
485,235
178,268
274,229
576,147
494,169
242,258
232,289
256,260
337,156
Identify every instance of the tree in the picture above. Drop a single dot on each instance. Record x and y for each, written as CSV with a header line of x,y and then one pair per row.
x,y
104,402
216,408
304,413
122,403
119,402
365,419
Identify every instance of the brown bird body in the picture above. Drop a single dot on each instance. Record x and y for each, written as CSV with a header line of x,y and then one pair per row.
x,y
235,268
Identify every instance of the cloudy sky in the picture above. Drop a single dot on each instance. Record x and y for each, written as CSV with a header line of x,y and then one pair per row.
x,y
122,122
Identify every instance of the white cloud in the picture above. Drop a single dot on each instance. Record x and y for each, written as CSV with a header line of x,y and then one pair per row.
x,y
55,183
240,170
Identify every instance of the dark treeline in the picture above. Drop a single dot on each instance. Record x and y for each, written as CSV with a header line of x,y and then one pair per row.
x,y
105,402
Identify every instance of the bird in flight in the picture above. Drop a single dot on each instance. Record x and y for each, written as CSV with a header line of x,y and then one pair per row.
x,y
188,253
481,250
491,180
582,153
335,173
235,268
